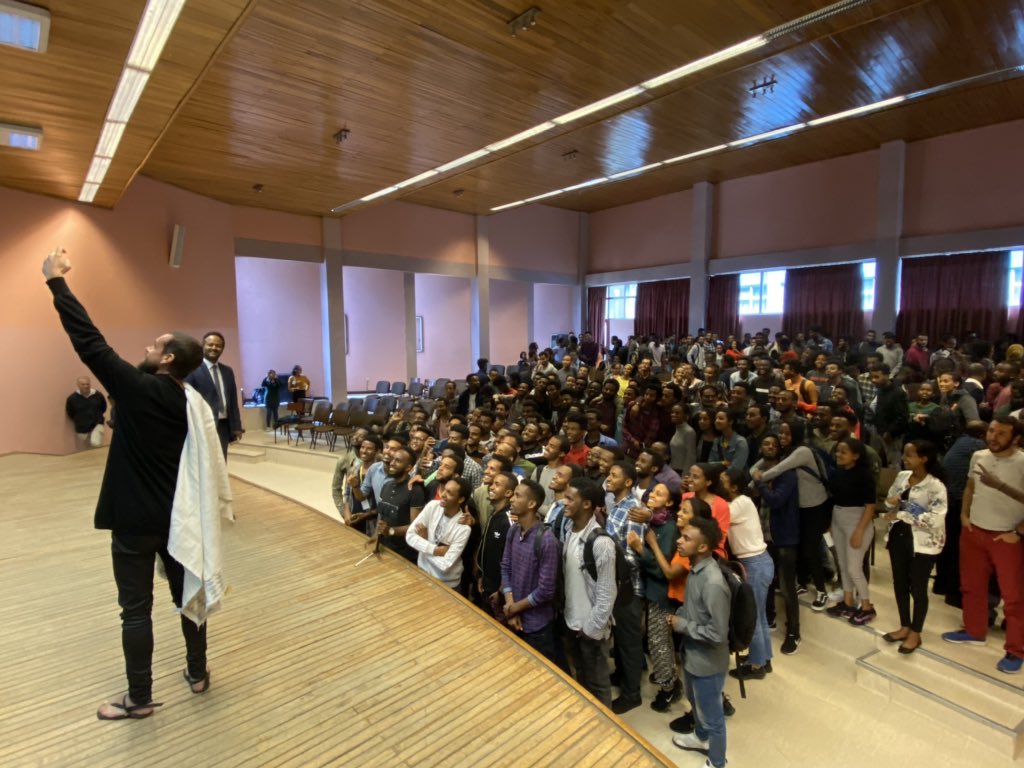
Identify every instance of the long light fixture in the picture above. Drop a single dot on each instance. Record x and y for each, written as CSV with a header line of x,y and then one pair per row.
x,y
155,26
767,135
857,111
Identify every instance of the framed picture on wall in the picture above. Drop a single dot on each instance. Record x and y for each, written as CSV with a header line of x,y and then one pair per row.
x,y
419,333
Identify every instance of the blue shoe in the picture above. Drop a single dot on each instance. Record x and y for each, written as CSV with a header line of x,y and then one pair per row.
x,y
961,637
1010,664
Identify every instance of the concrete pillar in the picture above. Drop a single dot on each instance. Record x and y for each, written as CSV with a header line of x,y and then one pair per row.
x,y
410,326
892,159
700,252
480,299
332,312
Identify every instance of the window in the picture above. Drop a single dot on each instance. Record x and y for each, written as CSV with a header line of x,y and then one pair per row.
x,y
762,293
1014,279
867,286
620,302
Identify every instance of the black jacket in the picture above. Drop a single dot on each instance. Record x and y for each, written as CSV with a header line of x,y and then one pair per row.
x,y
142,466
85,412
891,415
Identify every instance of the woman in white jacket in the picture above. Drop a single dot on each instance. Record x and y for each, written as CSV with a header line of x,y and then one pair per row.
x,y
916,505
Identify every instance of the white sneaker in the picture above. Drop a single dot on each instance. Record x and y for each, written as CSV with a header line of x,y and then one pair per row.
x,y
690,741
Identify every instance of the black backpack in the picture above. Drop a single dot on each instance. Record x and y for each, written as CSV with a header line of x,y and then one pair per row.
x,y
623,570
743,609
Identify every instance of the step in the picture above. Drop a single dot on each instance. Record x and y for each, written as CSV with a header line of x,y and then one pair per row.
x,y
926,683
247,453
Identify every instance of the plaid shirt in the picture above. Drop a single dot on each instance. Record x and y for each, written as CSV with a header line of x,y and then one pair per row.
x,y
618,526
867,389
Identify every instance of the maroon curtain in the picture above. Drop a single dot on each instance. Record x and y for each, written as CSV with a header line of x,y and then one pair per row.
x,y
595,313
662,308
953,294
829,297
724,305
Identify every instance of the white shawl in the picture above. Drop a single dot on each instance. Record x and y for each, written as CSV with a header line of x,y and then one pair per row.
x,y
201,497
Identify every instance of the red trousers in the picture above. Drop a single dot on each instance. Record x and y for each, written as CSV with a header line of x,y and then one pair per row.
x,y
980,552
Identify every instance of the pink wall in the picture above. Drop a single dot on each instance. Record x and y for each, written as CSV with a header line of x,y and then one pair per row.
x,y
279,320
552,311
807,206
405,229
509,324
375,307
964,181
444,303
535,237
121,276
275,226
650,233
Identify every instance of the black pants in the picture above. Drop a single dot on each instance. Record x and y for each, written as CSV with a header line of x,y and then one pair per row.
x,y
910,574
134,557
785,579
947,567
814,521
629,646
224,433
271,407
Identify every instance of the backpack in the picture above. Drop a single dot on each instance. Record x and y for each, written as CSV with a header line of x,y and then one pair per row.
x,y
946,424
742,609
623,569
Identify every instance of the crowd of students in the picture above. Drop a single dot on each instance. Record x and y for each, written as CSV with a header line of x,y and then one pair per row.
x,y
584,506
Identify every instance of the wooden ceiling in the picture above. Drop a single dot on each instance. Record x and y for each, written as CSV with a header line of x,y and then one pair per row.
x,y
252,91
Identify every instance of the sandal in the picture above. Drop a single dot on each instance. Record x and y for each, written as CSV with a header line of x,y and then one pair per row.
x,y
203,682
128,711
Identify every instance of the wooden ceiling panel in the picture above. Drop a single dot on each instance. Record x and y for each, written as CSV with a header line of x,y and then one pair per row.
x,y
858,66
418,84
252,91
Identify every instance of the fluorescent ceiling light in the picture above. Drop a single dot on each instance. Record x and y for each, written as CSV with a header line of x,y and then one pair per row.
x,y
857,111
708,61
416,179
97,170
597,106
155,27
698,153
129,91
768,135
24,26
88,192
634,171
522,136
585,184
462,160
20,136
552,193
110,137
507,205
378,193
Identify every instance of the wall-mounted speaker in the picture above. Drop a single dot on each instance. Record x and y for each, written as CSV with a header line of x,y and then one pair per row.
x,y
177,246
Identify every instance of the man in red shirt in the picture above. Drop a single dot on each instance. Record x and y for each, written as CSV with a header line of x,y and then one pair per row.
x,y
575,429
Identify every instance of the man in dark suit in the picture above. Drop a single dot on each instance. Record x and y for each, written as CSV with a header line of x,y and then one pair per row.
x,y
216,383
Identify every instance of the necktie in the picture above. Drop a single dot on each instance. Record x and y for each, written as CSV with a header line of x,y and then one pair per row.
x,y
220,390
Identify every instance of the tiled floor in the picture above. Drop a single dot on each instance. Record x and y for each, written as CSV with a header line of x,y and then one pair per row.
x,y
809,712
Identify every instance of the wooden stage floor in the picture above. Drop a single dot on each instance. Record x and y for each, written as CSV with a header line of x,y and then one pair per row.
x,y
314,661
